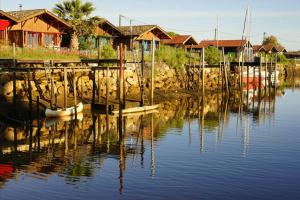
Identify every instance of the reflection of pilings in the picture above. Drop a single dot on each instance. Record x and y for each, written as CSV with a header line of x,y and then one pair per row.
x,y
152,148
246,136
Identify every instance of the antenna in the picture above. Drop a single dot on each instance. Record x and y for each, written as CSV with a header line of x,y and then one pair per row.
x,y
20,6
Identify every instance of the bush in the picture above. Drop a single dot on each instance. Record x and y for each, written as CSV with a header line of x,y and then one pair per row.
x,y
282,59
212,55
108,52
173,57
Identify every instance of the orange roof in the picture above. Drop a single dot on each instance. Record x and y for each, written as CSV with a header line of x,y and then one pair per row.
x,y
222,43
180,39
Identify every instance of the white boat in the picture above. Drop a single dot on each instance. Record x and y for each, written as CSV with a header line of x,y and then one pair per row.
x,y
137,109
64,112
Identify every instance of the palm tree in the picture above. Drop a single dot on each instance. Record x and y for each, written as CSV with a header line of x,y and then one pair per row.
x,y
77,14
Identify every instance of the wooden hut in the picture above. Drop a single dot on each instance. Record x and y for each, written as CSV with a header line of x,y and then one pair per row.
x,y
183,41
34,28
133,36
257,49
105,34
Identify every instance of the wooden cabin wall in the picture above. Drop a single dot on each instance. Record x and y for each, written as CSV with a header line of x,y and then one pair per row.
x,y
36,25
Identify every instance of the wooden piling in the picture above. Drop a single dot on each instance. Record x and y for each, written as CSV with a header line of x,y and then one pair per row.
x,y
107,88
14,77
152,70
99,87
203,68
225,71
142,74
65,88
29,93
75,94
94,87
120,92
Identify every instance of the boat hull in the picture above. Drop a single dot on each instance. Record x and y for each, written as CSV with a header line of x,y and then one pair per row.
x,y
64,112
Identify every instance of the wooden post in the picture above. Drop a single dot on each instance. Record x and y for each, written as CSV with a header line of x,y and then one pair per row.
x,y
120,92
124,77
266,69
99,48
29,93
199,72
225,71
259,78
189,67
107,88
142,74
14,77
75,93
99,87
275,71
203,66
38,119
94,87
65,88
152,70
51,91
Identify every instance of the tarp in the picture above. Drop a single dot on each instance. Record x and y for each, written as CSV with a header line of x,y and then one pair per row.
x,y
4,24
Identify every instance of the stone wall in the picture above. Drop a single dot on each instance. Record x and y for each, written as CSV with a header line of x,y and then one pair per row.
x,y
166,79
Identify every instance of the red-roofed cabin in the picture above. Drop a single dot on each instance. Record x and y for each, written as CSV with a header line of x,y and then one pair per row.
x,y
133,36
181,41
34,28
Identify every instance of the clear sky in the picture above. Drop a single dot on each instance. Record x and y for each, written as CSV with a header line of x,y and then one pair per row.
x,y
199,17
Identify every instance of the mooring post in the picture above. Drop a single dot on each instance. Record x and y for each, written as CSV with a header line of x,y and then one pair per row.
x,y
142,74
189,67
203,72
99,87
152,70
38,120
199,72
275,71
29,93
225,71
259,78
65,88
107,88
94,87
120,91
14,77
75,94
266,69
124,76
51,90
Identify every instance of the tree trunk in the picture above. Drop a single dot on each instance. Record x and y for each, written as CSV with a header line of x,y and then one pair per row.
x,y
74,44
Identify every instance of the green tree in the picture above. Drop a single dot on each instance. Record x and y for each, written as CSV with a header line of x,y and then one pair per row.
x,y
271,40
77,14
212,55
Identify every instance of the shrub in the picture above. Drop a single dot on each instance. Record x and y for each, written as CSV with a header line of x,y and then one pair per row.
x,y
174,57
108,52
212,55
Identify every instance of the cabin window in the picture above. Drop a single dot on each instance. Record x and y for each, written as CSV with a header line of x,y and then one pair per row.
x,y
2,37
147,45
49,39
34,39
104,41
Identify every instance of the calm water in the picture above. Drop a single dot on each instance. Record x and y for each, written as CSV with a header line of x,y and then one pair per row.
x,y
228,154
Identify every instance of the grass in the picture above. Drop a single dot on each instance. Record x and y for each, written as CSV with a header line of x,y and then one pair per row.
x,y
37,54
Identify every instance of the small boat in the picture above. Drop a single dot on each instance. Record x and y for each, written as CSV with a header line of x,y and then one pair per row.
x,y
52,121
137,109
64,112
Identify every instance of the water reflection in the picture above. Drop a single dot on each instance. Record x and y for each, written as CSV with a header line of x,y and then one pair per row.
x,y
76,149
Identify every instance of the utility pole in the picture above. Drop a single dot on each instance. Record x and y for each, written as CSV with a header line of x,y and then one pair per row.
x,y
20,6
131,34
120,20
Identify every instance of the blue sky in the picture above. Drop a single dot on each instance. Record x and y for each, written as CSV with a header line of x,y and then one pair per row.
x,y
199,17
